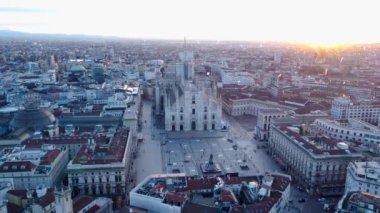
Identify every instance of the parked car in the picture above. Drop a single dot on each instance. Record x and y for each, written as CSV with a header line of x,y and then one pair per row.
x,y
235,147
326,207
302,200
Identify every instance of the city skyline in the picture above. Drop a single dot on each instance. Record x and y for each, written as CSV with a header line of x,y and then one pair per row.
x,y
311,22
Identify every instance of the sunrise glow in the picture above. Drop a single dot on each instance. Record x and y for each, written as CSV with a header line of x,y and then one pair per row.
x,y
319,22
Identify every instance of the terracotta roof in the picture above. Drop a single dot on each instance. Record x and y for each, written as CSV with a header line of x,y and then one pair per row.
x,y
159,187
13,207
47,199
329,144
227,196
18,192
114,152
50,157
280,183
202,183
176,198
93,209
17,166
194,207
81,201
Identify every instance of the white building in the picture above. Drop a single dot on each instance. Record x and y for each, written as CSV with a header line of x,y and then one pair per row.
x,y
188,102
237,104
139,199
363,177
5,186
264,121
237,77
31,167
317,163
343,108
349,130
63,201
101,168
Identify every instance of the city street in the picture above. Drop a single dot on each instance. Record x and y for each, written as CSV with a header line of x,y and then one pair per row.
x,y
148,159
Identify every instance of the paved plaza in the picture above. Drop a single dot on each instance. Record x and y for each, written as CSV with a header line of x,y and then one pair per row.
x,y
187,155
184,153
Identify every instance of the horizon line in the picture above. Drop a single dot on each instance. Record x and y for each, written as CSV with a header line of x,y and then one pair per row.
x,y
193,39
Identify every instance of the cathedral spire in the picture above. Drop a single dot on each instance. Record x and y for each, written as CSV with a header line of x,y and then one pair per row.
x,y
184,44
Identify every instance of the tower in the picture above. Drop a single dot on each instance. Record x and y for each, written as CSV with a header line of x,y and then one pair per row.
x,y
185,68
98,73
340,108
63,201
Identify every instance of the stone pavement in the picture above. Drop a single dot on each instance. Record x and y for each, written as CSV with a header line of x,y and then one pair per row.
x,y
148,159
195,134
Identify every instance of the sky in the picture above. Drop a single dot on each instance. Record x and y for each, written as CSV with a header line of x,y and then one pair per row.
x,y
320,22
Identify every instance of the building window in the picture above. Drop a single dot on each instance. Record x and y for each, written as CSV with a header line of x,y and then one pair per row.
x,y
213,117
173,117
193,111
205,109
193,100
205,117
181,117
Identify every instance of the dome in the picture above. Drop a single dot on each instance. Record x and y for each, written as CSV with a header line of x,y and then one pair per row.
x,y
32,118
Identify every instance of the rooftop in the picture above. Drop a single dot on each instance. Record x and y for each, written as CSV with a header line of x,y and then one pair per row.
x,y
316,145
103,151
353,124
352,200
23,159
174,189
369,170
367,198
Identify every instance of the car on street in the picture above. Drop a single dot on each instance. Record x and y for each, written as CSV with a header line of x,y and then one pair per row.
x,y
235,147
302,200
322,199
326,207
244,167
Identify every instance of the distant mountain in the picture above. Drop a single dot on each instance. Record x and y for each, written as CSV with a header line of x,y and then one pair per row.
x,y
9,34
